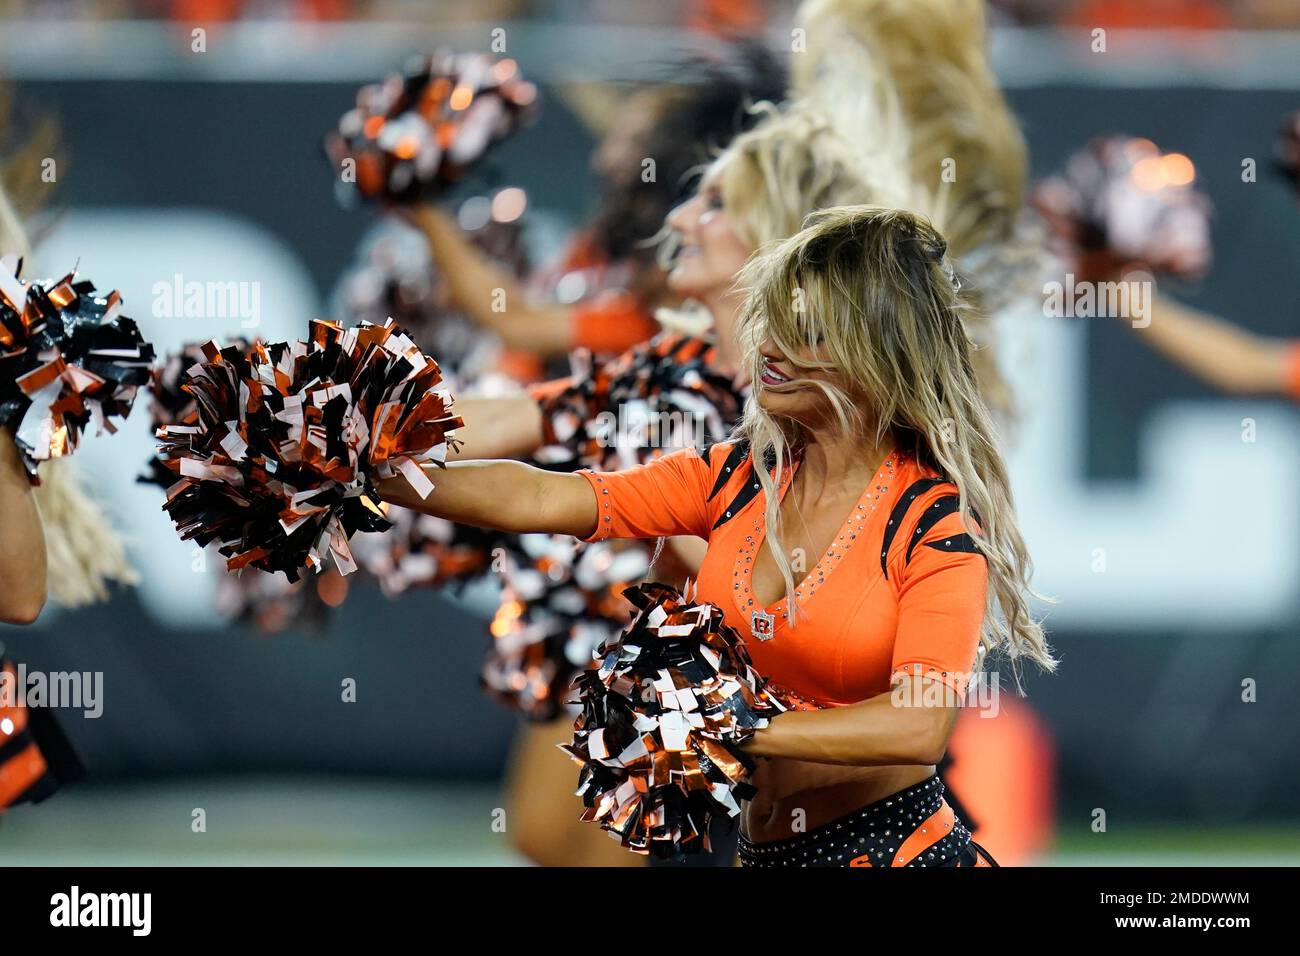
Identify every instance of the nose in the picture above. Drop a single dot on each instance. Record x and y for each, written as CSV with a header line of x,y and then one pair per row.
x,y
682,218
768,349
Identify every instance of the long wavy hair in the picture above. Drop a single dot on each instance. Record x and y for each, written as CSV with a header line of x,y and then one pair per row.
x,y
966,152
878,305
796,160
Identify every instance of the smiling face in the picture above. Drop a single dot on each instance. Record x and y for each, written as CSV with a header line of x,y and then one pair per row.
x,y
709,252
789,390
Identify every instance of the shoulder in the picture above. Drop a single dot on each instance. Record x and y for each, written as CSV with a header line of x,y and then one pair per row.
x,y
733,480
924,515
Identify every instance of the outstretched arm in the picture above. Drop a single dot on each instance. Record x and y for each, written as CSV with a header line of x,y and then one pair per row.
x,y
22,540
664,497
1225,356
507,495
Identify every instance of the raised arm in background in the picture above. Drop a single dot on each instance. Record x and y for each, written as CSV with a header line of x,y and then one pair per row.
x,y
491,296
1226,356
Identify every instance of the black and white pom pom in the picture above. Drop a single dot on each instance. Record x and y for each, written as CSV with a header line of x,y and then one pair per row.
x,y
662,722
561,601
68,357
280,466
664,394
1122,203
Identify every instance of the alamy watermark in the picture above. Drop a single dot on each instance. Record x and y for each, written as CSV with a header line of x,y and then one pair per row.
x,y
980,690
634,426
179,298
73,690
1127,298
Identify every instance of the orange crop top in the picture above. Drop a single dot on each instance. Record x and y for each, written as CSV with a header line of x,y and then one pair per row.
x,y
901,590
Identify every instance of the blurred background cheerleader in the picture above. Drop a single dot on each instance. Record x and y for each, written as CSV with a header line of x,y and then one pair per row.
x,y
602,293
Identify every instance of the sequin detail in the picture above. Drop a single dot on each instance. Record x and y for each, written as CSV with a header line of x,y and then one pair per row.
x,y
876,832
763,621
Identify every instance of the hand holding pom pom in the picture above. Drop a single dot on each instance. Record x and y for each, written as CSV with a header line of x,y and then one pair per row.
x,y
662,723
280,465
414,134
1121,203
67,356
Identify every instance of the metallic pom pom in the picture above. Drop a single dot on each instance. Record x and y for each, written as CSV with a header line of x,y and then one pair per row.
x,y
417,132
1120,203
67,357
279,467
662,722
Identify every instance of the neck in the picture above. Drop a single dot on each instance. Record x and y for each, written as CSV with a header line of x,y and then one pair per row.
x,y
833,461
725,306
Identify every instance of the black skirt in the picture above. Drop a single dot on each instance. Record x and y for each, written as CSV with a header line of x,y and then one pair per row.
x,y
914,827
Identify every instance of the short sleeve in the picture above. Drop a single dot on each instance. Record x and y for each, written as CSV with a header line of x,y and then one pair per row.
x,y
1293,369
941,606
666,496
611,323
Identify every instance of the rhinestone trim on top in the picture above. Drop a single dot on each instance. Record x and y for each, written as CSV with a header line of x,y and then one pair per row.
x,y
763,620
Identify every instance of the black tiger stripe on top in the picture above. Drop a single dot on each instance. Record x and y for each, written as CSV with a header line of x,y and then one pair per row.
x,y
936,512
901,507
750,488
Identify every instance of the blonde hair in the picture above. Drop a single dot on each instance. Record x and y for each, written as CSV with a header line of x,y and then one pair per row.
x,y
795,161
966,151
878,305
83,551
13,238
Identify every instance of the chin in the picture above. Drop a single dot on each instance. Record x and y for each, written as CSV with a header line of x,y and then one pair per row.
x,y
690,282
787,406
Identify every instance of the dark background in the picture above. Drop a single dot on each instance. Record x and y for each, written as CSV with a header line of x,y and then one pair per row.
x,y
230,701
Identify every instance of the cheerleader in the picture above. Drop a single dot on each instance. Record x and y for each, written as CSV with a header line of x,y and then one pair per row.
x,y
622,283
758,190
866,441
835,148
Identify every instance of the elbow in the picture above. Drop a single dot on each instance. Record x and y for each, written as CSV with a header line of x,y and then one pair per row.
x,y
23,609
927,741
930,754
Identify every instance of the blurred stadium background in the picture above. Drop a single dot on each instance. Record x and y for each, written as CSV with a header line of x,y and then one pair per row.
x,y
209,166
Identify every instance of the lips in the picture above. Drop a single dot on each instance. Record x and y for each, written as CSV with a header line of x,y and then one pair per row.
x,y
772,375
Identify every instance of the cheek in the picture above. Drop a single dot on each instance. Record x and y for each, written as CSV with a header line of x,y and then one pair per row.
x,y
721,245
